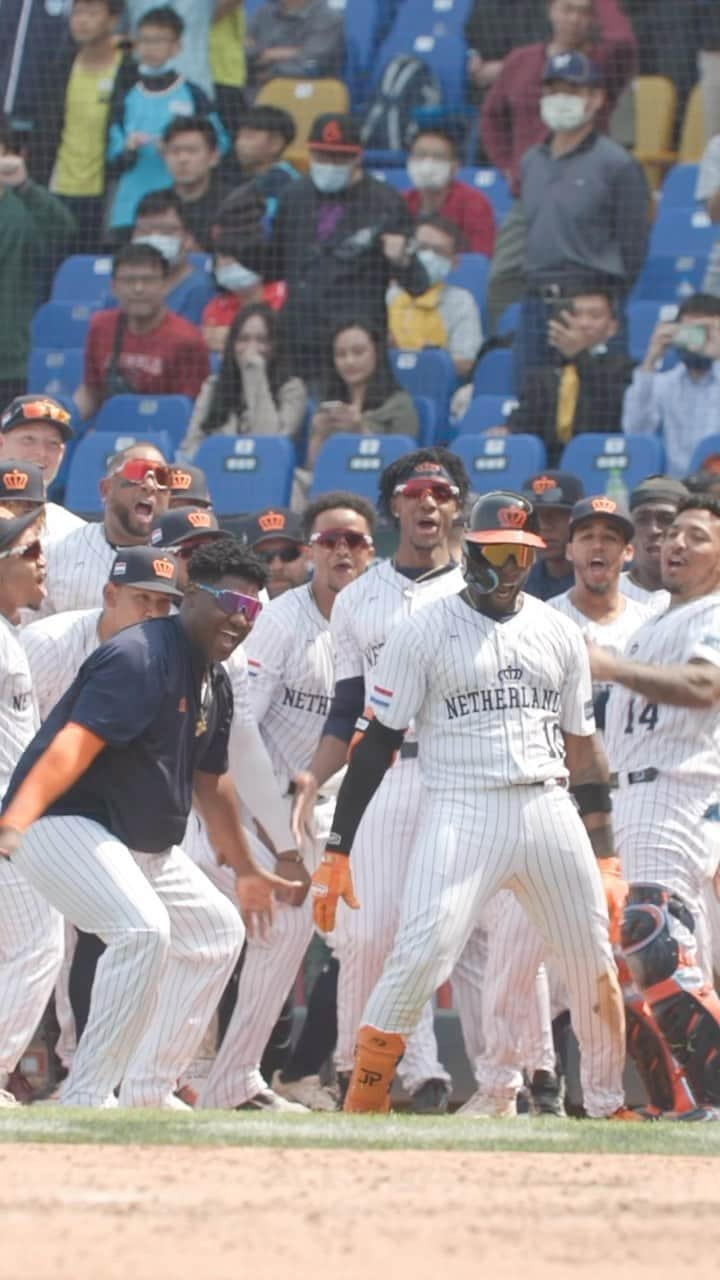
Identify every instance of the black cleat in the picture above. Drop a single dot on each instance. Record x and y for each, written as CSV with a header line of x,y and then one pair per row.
x,y
431,1099
546,1095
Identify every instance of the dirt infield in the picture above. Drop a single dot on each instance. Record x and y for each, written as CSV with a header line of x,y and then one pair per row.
x,y
143,1213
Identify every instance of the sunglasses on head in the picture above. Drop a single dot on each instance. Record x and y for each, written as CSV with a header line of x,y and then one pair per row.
x,y
331,538
285,554
232,602
134,471
440,490
30,551
498,553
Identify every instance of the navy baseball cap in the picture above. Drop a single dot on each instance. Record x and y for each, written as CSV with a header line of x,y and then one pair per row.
x,y
29,410
273,522
11,527
186,524
21,482
147,568
554,489
190,484
572,68
602,508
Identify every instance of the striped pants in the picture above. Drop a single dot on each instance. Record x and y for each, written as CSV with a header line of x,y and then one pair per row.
x,y
31,950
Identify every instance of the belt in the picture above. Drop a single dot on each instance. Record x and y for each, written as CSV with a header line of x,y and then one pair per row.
x,y
409,751
634,777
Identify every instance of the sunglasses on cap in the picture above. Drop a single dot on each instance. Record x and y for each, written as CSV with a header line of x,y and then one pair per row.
x,y
232,602
134,471
286,554
46,410
498,553
440,490
331,538
31,551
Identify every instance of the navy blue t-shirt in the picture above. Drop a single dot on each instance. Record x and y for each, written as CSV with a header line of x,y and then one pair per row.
x,y
543,587
141,692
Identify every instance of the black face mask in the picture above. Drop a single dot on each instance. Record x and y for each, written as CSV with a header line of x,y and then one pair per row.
x,y
694,362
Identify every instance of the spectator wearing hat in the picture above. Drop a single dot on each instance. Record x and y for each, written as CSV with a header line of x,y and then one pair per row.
x,y
253,392
553,495
432,168
182,530
160,222
192,155
339,237
653,507
586,204
36,428
276,537
188,487
296,38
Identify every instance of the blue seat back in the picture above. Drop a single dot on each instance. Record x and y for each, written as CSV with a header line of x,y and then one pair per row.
x,y
83,277
61,324
356,462
598,459
55,372
484,412
707,448
426,373
246,473
90,460
500,462
494,374
147,413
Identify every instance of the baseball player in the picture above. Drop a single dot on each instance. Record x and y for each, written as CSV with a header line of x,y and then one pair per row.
x,y
188,486
135,493
93,815
37,429
653,507
663,732
181,530
30,930
498,686
290,663
553,495
423,492
275,536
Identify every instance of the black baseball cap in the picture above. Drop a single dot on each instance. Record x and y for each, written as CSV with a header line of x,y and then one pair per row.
x,y
572,68
11,527
554,489
659,489
29,410
273,522
148,568
335,131
21,482
602,508
186,524
190,484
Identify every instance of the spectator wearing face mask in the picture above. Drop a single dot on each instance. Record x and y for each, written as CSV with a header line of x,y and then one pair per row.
x,y
432,168
239,286
160,221
445,315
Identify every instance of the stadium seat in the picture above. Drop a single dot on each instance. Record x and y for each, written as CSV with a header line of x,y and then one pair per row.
x,y
83,278
599,459
669,277
655,109
493,375
423,14
426,410
444,51
472,273
678,190
426,373
499,462
510,319
304,100
246,473
355,463
687,229
484,412
493,184
397,178
361,19
147,413
692,134
57,373
61,324
707,449
89,464
642,318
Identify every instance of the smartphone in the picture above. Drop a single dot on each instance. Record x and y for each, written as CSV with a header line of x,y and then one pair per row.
x,y
556,307
691,337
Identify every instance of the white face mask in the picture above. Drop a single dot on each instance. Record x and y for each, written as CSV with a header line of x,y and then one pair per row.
x,y
428,174
169,246
330,178
234,276
563,112
437,266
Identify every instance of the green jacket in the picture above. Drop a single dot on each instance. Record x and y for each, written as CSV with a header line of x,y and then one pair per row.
x,y
33,225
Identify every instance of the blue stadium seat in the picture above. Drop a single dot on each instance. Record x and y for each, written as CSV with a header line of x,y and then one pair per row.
x,y
510,319
422,15
355,462
707,448
499,462
484,412
678,189
397,178
642,318
688,229
89,464
147,413
493,184
61,324
493,375
595,457
472,273
57,373
428,418
245,473
667,277
361,19
426,373
83,278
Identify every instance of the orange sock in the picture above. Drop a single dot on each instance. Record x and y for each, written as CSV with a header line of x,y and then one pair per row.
x,y
377,1054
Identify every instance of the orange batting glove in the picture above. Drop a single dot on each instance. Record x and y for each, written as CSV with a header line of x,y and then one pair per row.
x,y
331,881
616,892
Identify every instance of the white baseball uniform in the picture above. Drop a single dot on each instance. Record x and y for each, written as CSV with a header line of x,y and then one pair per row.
x,y
491,702
657,601
78,566
31,933
363,617
59,522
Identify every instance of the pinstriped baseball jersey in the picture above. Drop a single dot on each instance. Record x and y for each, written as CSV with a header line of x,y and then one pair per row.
x,y
657,601
681,742
490,699
18,717
290,664
56,648
613,635
237,669
78,567
59,522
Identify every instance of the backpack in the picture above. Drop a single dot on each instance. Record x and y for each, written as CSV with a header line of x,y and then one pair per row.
x,y
407,84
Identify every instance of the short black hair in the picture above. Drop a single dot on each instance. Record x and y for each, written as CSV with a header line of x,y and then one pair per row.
x,y
114,7
393,475
191,124
460,242
699,304
701,502
270,119
138,255
339,498
438,131
159,202
225,557
163,16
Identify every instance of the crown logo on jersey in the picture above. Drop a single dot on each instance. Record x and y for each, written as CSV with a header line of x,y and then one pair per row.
x,y
510,674
603,504
272,522
163,568
199,519
16,480
180,479
512,517
543,484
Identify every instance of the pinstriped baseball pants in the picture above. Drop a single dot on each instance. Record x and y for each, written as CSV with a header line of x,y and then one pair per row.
x,y
31,950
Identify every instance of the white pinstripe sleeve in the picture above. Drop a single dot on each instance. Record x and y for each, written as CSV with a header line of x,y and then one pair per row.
x,y
707,646
576,696
267,647
43,659
348,655
237,669
399,685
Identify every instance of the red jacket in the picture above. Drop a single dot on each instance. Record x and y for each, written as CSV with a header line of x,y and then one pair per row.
x,y
470,210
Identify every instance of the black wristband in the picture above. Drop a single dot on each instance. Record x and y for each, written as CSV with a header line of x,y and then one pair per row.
x,y
592,797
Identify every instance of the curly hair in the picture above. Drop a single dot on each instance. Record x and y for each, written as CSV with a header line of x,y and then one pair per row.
x,y
214,560
398,471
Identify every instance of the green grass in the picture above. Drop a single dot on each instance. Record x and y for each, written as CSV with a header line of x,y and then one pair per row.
x,y
399,1132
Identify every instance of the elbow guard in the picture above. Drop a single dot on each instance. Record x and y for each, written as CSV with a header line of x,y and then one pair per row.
x,y
371,753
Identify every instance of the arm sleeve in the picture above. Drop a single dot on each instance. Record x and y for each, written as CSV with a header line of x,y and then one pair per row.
x,y
632,202
642,414
42,653
51,222
371,757
464,328
495,124
706,645
256,784
347,704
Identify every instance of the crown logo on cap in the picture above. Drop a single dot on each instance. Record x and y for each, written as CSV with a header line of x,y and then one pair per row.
x,y
603,504
332,132
163,568
16,480
199,519
543,484
512,517
272,522
180,479
510,674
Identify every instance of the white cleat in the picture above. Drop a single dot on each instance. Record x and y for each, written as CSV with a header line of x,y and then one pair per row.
x,y
8,1100
308,1091
485,1105
267,1100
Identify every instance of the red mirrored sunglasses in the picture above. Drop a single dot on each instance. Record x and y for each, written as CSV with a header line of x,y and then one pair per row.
x,y
331,538
440,490
134,471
